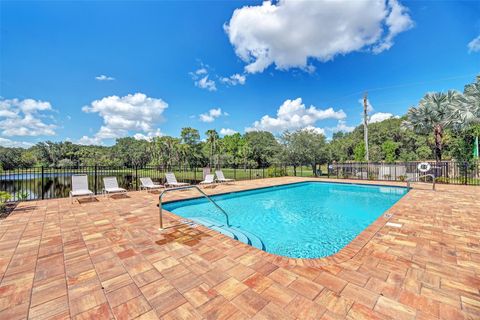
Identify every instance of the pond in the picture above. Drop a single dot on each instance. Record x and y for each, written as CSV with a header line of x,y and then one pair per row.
x,y
35,185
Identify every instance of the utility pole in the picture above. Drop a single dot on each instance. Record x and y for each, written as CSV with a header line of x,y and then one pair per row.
x,y
365,125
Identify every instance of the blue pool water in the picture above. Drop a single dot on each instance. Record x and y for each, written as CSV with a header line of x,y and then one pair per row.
x,y
302,220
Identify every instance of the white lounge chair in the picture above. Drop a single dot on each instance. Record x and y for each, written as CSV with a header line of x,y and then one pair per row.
x,y
80,186
209,180
221,178
147,184
172,181
110,185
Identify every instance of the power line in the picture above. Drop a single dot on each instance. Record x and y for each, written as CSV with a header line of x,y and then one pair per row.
x,y
402,85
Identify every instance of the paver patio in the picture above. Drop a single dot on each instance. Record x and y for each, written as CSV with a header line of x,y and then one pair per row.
x,y
107,259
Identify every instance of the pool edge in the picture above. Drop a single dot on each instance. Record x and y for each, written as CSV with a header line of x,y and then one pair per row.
x,y
346,253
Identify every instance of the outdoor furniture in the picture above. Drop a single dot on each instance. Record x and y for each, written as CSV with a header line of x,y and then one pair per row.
x,y
110,185
209,180
221,178
147,184
79,186
172,181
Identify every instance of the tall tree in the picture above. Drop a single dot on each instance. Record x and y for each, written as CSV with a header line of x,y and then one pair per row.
x,y
191,139
232,145
264,147
212,139
389,149
133,152
467,108
306,147
433,114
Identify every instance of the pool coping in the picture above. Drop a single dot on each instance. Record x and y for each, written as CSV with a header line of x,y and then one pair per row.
x,y
285,184
346,253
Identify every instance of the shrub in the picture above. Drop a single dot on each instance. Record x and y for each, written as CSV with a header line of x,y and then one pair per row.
x,y
276,172
4,196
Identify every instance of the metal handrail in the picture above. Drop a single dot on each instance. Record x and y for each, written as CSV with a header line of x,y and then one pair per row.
x,y
424,176
183,188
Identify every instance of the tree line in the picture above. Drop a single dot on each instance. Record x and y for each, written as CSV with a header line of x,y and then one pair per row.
x,y
441,126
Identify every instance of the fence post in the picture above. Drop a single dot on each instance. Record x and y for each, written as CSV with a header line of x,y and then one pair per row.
x,y
95,181
328,170
235,172
465,167
136,177
447,173
263,172
250,173
43,189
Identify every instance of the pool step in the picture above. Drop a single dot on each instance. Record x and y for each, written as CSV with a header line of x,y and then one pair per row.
x,y
232,232
222,230
254,241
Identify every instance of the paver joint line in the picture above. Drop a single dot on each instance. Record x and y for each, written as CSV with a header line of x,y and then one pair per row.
x,y
421,260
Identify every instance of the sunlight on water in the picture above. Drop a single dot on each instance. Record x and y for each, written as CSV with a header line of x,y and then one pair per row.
x,y
304,220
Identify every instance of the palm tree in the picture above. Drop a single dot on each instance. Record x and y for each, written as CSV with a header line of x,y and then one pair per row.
x,y
433,114
467,108
212,137
468,111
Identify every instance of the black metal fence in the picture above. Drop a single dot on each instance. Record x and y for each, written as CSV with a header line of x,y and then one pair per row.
x,y
48,183
445,171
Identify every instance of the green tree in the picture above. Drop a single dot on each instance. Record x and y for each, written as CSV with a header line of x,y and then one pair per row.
x,y
166,150
10,158
133,152
264,147
65,163
305,147
233,148
389,149
467,108
433,114
212,144
359,152
191,139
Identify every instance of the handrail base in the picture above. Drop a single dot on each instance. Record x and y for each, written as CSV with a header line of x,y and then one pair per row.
x,y
424,176
184,188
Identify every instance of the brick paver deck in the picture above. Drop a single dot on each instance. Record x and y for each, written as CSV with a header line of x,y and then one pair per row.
x,y
107,259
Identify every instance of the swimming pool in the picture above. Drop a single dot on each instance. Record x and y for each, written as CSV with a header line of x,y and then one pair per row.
x,y
301,220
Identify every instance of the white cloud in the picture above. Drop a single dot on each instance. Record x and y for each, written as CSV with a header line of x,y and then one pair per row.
x,y
104,78
86,140
381,116
293,115
205,83
235,79
24,118
227,132
474,45
201,71
149,136
398,20
201,79
289,32
211,115
341,126
133,112
14,144
315,129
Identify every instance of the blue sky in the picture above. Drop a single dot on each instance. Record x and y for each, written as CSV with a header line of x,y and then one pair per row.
x,y
155,56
